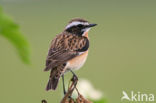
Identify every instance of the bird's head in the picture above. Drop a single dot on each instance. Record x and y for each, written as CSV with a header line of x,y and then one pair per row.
x,y
78,26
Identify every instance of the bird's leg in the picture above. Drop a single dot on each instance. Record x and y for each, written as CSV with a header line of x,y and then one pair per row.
x,y
64,90
75,78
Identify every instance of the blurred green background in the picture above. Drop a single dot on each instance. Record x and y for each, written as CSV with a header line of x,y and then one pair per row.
x,y
122,52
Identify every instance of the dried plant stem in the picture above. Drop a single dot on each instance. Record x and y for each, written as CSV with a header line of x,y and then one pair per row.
x,y
68,99
68,96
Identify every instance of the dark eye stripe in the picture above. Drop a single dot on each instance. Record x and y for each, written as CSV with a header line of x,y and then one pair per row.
x,y
80,25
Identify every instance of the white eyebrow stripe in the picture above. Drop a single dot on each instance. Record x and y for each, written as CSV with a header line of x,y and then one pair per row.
x,y
76,23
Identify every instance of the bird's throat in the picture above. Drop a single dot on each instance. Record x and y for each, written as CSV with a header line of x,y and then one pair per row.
x,y
86,34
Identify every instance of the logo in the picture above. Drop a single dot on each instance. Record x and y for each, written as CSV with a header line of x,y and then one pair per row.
x,y
137,97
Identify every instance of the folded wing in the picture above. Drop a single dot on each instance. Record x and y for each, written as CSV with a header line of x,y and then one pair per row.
x,y
65,47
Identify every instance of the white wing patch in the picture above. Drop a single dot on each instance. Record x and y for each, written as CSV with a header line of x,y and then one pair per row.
x,y
76,23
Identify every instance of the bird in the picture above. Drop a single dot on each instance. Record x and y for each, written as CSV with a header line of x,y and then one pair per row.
x,y
68,51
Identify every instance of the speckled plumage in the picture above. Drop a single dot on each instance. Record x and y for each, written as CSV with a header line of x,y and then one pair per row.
x,y
68,50
65,47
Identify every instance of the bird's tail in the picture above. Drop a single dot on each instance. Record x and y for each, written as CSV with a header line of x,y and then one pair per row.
x,y
55,76
52,84
53,80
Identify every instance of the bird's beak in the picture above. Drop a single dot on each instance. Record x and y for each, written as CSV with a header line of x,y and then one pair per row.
x,y
91,25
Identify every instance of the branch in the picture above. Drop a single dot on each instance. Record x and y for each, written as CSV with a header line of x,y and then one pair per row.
x,y
68,97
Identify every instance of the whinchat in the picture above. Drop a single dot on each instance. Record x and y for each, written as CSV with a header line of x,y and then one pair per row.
x,y
68,51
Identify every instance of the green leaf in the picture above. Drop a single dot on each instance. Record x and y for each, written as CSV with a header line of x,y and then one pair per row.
x,y
10,31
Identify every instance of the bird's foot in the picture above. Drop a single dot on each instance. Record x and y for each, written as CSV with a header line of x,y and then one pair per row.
x,y
74,80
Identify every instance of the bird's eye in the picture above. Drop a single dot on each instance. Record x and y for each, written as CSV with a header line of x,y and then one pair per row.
x,y
80,25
